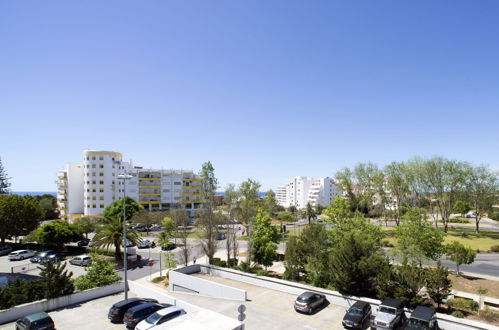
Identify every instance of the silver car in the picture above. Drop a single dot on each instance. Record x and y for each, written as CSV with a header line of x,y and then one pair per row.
x,y
21,254
81,261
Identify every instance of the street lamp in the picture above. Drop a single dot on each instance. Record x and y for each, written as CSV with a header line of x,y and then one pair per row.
x,y
125,177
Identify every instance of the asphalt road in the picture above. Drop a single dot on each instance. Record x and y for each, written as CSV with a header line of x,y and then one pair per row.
x,y
485,264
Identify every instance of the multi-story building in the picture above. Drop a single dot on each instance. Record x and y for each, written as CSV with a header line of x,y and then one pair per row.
x,y
302,190
86,189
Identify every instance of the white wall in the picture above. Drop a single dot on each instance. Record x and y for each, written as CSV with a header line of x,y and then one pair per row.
x,y
17,312
203,287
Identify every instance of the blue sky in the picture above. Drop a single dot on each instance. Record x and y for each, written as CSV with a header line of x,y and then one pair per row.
x,y
263,89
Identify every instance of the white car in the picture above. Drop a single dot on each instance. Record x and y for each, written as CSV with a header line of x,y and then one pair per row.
x,y
160,317
21,254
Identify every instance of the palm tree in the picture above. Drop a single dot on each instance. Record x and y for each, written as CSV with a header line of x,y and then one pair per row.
x,y
310,212
111,233
164,239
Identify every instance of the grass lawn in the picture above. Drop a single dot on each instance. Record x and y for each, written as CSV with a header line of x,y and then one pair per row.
x,y
466,236
472,284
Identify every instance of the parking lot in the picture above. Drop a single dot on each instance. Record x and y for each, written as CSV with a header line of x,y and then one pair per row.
x,y
32,268
91,315
267,309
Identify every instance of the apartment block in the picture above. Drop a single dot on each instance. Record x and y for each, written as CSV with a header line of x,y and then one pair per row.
x,y
87,188
302,190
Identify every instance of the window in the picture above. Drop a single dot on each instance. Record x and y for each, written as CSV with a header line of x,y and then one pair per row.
x,y
93,181
93,206
101,158
93,165
93,198
177,183
93,189
166,190
101,190
114,165
101,182
93,157
93,173
101,166
101,206
88,182
101,198
112,182
101,173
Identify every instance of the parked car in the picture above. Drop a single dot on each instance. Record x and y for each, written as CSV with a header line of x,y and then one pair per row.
x,y
145,244
118,310
81,261
308,301
160,317
423,318
5,250
40,255
54,257
357,315
83,242
91,243
140,228
220,236
140,312
390,314
21,254
168,247
37,321
154,227
129,243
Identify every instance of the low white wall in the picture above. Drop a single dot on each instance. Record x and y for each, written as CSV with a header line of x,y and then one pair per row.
x,y
334,297
203,287
17,312
144,291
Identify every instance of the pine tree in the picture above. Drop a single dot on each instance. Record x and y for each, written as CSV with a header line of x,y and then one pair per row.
x,y
58,281
4,181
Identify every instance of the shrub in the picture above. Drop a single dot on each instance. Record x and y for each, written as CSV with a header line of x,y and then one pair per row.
x,y
261,272
385,243
458,314
463,304
220,263
494,216
494,248
100,273
158,279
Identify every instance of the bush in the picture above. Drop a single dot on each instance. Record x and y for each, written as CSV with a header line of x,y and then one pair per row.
x,y
494,216
220,263
488,315
100,273
21,292
458,220
158,279
463,304
232,262
261,272
458,314
494,248
385,243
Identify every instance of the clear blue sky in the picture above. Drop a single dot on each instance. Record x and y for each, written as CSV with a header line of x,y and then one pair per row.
x,y
263,89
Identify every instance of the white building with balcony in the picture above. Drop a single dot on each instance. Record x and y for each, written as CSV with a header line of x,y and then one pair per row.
x,y
302,190
87,188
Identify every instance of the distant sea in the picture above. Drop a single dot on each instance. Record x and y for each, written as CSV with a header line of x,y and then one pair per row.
x,y
34,193
260,193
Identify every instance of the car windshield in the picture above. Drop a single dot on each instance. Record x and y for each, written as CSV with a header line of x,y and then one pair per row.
x,y
303,299
388,310
355,311
418,324
153,318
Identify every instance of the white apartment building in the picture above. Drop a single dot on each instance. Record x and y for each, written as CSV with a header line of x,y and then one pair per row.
x,y
302,190
87,188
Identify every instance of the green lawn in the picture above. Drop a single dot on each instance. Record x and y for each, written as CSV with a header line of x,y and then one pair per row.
x,y
466,236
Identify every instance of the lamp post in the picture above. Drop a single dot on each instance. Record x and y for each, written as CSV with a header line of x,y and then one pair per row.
x,y
125,177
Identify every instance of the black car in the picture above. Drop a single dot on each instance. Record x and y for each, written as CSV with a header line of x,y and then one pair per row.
x,y
83,242
41,255
308,301
357,315
118,310
168,247
140,228
140,312
423,318
54,257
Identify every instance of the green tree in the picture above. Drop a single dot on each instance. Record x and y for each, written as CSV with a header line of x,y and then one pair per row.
x,y
354,262
438,284
345,182
397,184
20,292
57,233
170,262
181,220
264,237
48,206
207,220
168,229
286,217
310,213
247,207
231,194
111,233
4,180
86,225
319,209
18,215
58,280
99,273
418,241
270,203
115,210
292,209
482,187
339,211
461,207
460,254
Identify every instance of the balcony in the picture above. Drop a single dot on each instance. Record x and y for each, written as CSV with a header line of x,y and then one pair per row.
x,y
192,180
142,186
149,202
191,187
149,194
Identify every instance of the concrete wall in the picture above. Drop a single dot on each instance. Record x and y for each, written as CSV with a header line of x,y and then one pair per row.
x,y
17,312
182,282
334,297
148,292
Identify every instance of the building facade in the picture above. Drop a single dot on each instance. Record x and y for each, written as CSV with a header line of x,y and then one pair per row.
x,y
87,188
302,190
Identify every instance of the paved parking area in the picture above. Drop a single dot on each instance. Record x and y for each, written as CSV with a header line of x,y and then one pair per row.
x,y
32,268
267,309
91,315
